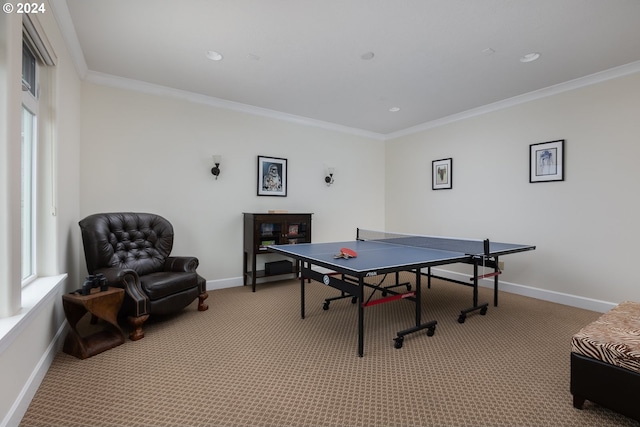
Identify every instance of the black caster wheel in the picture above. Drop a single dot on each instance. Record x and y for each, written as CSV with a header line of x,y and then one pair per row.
x,y
483,311
462,318
325,306
384,293
398,342
354,300
408,287
431,331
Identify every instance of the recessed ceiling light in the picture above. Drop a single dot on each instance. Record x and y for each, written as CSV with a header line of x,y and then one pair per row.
x,y
367,56
394,109
214,56
530,57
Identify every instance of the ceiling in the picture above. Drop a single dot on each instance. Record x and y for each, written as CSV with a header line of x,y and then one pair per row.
x,y
304,58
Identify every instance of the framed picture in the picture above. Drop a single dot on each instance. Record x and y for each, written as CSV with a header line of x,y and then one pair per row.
x,y
546,161
272,176
442,174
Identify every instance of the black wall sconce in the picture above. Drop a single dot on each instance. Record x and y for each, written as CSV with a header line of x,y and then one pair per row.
x,y
216,169
329,178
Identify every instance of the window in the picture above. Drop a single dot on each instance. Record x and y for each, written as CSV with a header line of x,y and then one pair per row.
x,y
29,161
28,70
29,262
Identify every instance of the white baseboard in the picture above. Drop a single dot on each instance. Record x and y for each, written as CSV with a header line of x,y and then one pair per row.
x,y
231,282
21,404
36,297
514,288
537,293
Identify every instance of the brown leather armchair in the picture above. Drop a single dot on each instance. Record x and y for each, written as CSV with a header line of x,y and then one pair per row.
x,y
132,251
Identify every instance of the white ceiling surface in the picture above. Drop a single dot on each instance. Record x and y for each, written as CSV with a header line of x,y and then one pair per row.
x,y
303,57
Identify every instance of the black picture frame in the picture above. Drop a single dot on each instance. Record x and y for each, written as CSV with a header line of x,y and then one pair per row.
x,y
272,176
442,174
546,161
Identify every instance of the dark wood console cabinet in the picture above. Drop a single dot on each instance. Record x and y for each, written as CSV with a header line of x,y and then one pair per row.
x,y
263,229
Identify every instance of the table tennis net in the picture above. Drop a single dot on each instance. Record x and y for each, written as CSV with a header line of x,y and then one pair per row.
x,y
466,246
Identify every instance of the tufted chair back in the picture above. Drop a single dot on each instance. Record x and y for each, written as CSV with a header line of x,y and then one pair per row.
x,y
139,241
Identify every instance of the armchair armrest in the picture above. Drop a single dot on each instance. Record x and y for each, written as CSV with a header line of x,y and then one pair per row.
x,y
114,276
187,264
127,279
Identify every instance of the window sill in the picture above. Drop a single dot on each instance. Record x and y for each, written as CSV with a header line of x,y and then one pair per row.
x,y
34,297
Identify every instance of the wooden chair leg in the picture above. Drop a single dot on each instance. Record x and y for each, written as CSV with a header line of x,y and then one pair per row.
x,y
201,305
136,327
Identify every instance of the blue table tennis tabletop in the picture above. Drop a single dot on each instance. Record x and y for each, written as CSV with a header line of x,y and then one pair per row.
x,y
384,256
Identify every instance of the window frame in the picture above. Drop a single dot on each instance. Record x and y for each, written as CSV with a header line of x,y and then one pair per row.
x,y
29,161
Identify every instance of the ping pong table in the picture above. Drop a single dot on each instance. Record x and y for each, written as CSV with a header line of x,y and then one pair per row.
x,y
381,253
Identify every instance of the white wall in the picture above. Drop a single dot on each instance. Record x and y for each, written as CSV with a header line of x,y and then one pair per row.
x,y
150,153
585,228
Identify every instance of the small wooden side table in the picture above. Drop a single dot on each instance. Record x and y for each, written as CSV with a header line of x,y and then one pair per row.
x,y
101,305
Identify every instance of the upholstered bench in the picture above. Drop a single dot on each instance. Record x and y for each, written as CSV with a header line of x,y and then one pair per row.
x,y
605,361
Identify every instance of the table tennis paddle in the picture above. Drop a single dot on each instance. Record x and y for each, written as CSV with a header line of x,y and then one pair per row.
x,y
346,253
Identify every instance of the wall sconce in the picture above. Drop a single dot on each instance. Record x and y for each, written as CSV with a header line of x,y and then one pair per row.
x,y
216,169
329,178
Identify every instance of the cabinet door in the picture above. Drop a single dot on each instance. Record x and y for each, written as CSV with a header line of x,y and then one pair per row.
x,y
298,229
268,231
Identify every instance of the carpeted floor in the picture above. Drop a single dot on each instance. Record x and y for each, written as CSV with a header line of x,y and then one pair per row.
x,y
250,360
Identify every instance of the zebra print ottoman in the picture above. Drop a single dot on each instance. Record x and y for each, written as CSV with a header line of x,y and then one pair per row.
x,y
605,361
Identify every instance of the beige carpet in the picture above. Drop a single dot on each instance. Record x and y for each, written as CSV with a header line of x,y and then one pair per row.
x,y
250,360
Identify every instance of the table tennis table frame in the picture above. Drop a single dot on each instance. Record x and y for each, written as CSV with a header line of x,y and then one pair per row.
x,y
352,283
492,263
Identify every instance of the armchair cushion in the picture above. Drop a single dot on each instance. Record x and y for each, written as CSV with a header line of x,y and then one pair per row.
x,y
164,283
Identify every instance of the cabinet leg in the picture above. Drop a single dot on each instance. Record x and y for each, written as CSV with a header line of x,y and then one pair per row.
x,y
244,270
253,273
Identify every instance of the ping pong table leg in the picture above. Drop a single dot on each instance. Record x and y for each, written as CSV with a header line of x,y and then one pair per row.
x,y
475,284
361,316
483,307
418,297
430,326
495,284
302,275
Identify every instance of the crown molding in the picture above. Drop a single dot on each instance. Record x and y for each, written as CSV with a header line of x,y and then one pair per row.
x,y
68,31
153,89
67,28
613,73
62,16
159,90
